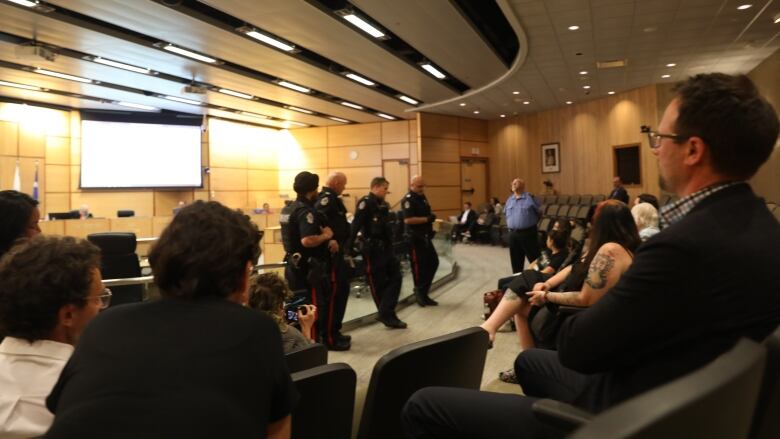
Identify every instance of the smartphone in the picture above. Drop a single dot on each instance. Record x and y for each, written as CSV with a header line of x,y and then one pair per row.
x,y
292,315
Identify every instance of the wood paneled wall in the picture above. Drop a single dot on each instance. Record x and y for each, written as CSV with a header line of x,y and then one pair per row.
x,y
586,133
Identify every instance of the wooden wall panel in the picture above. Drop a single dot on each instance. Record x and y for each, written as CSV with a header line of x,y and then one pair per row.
x,y
287,178
9,138
231,199
57,178
473,129
58,150
52,227
469,148
442,198
395,132
439,150
82,228
262,180
439,126
166,201
359,134
57,202
339,157
32,141
262,157
255,199
228,179
159,223
766,182
227,155
104,204
359,177
310,137
441,174
391,151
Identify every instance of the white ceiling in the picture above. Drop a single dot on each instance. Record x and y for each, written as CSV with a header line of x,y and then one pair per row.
x,y
697,35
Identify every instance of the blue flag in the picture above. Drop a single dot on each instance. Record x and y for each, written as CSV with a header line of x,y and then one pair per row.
x,y
35,183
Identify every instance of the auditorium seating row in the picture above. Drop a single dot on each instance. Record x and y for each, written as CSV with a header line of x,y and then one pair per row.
x,y
732,397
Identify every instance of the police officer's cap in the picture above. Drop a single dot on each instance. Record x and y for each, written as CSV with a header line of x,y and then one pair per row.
x,y
306,182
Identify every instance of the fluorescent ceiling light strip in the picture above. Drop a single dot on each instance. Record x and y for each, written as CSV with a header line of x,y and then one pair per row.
x,y
350,104
338,119
63,75
237,94
23,86
364,26
138,106
433,71
290,122
189,54
120,65
386,116
295,87
408,99
270,41
25,3
302,110
360,79
261,116
183,100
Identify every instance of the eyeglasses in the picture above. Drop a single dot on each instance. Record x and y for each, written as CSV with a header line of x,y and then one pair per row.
x,y
655,138
105,298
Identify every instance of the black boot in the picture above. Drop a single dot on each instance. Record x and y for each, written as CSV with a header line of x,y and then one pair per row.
x,y
420,298
429,301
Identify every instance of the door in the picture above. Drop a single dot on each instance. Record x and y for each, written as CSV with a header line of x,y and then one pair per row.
x,y
397,173
473,174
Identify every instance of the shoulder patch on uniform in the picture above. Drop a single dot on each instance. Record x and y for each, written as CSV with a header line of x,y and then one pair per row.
x,y
406,205
324,201
362,205
310,218
409,195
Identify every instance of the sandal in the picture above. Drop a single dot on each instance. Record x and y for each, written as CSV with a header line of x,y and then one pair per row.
x,y
508,376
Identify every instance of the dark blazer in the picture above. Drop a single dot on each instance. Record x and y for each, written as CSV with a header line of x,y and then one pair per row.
x,y
692,291
619,194
471,219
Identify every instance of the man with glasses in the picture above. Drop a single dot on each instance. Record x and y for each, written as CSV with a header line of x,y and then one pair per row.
x,y
50,288
693,290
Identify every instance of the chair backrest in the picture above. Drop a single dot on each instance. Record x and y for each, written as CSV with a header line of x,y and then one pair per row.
x,y
452,360
599,198
586,200
326,404
582,213
574,199
563,199
124,213
118,261
551,209
766,422
562,210
307,357
544,224
552,199
572,213
716,401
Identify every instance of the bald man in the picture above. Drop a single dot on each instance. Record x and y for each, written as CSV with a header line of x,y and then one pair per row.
x,y
419,231
522,213
329,204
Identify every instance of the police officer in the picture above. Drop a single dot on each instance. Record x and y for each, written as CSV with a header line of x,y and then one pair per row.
x,y
305,237
383,270
332,208
419,231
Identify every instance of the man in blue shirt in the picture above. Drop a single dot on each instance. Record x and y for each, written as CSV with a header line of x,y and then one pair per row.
x,y
522,213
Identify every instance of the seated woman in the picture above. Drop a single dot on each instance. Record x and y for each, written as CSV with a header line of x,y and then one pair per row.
x,y
549,261
268,293
19,219
197,363
613,239
646,218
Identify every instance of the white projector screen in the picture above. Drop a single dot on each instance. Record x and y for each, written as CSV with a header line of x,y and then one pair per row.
x,y
139,155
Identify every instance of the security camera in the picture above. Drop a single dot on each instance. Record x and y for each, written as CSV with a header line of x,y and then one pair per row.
x,y
644,129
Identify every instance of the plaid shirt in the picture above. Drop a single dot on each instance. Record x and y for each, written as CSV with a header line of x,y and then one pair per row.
x,y
674,212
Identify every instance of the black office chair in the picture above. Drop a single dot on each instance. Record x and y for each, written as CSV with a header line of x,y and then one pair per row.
x,y
586,200
766,422
125,213
716,401
574,199
307,357
452,360
119,261
326,404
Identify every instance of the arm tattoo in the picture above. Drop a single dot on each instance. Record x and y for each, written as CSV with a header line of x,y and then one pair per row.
x,y
597,272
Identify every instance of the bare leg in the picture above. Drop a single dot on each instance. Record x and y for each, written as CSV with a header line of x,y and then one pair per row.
x,y
510,304
522,328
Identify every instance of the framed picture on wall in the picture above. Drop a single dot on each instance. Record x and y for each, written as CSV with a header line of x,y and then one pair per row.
x,y
551,158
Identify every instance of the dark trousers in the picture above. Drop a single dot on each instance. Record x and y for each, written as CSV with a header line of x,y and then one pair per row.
x,y
425,262
318,292
339,293
383,273
523,243
441,412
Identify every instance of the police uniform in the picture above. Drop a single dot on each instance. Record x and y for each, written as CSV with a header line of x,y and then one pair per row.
x,y
330,206
383,271
422,254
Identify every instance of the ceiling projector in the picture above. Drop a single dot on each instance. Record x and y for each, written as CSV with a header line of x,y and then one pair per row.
x,y
195,89
33,51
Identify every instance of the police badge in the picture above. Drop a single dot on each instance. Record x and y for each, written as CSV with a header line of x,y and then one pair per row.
x,y
406,205
324,201
362,205
310,218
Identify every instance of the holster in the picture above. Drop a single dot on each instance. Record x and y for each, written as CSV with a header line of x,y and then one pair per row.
x,y
318,271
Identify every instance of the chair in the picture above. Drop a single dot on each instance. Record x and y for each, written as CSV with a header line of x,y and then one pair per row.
x,y
563,210
766,424
582,214
64,215
586,200
307,357
118,261
563,199
125,213
453,360
572,213
326,404
550,209
716,401
574,199
599,198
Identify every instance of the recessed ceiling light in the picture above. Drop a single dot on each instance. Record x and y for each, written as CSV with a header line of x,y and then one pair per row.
x,y
503,115
301,110
360,79
22,86
586,87
569,102
610,92
385,116
583,72
743,7
363,25
408,99
462,104
25,3
270,41
351,105
433,71
63,76
526,102
515,92
182,100
261,116
295,87
338,119
666,76
671,64
120,65
189,54
575,27
476,111
138,106
237,94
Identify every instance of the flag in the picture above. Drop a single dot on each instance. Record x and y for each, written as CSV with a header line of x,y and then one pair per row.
x,y
17,180
35,183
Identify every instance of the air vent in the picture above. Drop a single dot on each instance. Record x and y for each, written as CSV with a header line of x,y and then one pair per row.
x,y
611,64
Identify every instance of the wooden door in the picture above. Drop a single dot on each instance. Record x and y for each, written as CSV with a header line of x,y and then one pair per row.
x,y
473,174
397,173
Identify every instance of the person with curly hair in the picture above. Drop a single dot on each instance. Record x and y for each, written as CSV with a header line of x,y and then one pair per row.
x,y
19,219
268,293
50,288
197,363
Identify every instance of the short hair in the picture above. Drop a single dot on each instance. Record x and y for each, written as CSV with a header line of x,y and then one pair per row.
x,y
559,238
17,209
204,251
267,293
648,198
378,181
39,276
645,215
736,122
468,203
